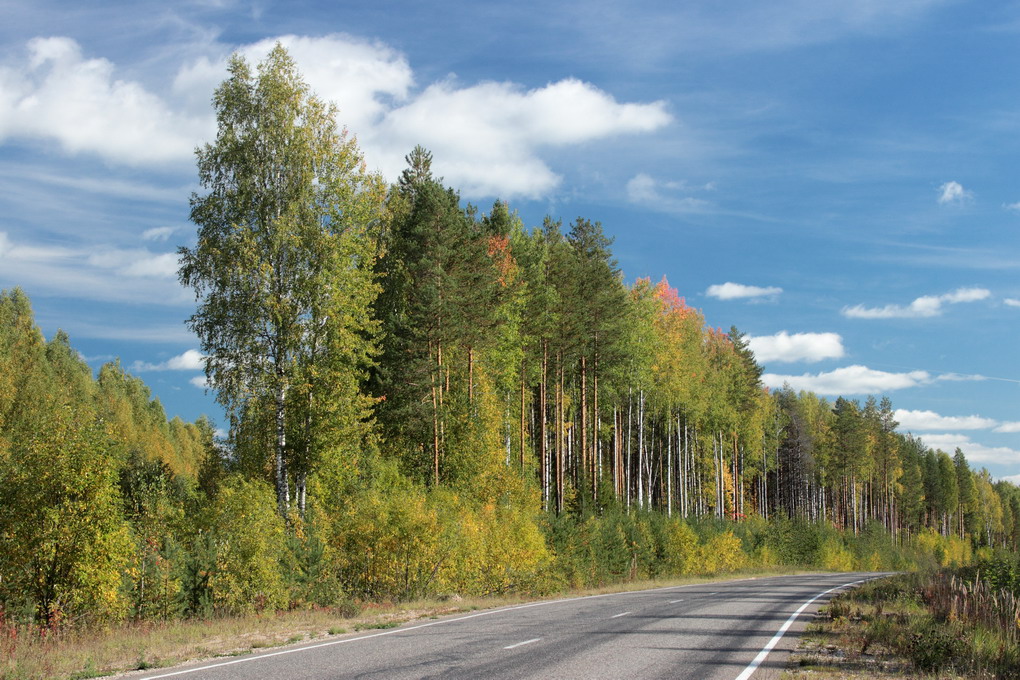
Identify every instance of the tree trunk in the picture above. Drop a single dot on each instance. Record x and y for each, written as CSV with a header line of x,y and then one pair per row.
x,y
282,484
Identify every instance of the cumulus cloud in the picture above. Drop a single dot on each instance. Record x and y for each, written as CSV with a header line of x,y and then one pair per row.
x,y
56,93
1012,302
488,138
734,291
1013,479
848,381
201,382
922,307
784,347
975,452
191,360
929,420
953,192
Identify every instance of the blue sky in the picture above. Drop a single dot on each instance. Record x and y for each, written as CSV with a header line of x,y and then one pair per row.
x,y
837,179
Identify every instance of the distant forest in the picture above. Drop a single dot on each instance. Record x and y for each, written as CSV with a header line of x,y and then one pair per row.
x,y
424,398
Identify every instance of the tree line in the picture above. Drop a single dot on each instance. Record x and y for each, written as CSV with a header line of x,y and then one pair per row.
x,y
422,396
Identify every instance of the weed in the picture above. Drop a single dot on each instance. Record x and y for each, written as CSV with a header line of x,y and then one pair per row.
x,y
373,626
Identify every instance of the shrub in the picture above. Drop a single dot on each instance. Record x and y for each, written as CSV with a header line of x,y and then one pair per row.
x,y
250,545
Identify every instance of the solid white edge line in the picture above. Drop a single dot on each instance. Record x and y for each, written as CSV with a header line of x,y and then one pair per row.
x,y
616,616
519,644
249,659
751,667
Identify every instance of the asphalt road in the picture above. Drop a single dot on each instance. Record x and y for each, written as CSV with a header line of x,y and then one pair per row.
x,y
706,631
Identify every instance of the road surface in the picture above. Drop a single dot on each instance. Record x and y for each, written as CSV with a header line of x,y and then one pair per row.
x,y
706,631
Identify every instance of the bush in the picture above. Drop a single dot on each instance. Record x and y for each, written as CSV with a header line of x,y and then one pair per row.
x,y
250,546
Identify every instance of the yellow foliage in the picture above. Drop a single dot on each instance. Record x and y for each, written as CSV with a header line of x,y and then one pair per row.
x,y
723,553
834,556
681,548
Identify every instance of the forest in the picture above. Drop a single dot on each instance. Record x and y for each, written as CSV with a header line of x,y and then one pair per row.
x,y
422,397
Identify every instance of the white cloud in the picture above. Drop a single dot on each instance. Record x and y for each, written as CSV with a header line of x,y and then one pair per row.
x,y
848,380
95,272
201,382
963,377
158,233
975,452
1011,302
665,196
733,291
1012,479
1015,207
487,138
922,307
797,347
1009,428
191,360
55,93
953,192
929,420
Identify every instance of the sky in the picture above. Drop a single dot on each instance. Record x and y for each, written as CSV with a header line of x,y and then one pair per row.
x,y
838,180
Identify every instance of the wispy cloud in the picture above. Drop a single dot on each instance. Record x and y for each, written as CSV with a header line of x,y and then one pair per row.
x,y
922,307
158,233
786,347
666,196
736,291
953,192
1011,302
93,272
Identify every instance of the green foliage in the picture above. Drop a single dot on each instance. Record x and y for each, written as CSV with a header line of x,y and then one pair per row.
x,y
63,541
250,548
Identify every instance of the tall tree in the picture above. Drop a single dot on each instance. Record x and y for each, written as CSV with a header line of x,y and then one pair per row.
x,y
282,269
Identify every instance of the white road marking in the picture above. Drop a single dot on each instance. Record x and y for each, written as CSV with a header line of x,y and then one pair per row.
x,y
616,616
675,601
751,667
526,642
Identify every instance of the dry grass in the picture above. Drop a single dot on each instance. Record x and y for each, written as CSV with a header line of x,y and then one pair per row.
x,y
87,654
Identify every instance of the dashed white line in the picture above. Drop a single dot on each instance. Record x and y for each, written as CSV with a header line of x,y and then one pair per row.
x,y
616,616
519,644
675,601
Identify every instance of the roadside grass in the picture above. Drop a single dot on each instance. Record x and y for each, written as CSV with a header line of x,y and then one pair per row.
x,y
899,627
27,653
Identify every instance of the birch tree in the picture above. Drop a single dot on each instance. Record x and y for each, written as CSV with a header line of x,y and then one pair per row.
x,y
282,270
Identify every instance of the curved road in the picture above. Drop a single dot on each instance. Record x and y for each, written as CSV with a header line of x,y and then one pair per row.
x,y
705,631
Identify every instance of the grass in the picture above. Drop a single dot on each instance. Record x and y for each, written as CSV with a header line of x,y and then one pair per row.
x,y
94,653
896,628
